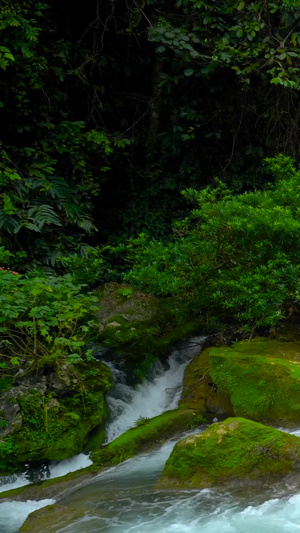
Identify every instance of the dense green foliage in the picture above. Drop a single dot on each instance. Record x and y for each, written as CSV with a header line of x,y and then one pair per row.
x,y
107,113
52,162
45,321
237,255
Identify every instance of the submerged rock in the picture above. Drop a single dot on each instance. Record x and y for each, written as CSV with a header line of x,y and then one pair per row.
x,y
233,453
51,519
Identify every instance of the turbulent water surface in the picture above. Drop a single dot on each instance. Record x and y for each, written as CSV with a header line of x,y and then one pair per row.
x,y
126,498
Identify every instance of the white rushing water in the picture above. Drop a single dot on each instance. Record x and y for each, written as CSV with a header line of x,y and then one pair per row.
x,y
54,469
12,513
194,512
61,468
13,482
151,398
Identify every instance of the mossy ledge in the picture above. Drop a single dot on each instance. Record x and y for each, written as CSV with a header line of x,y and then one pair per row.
x,y
151,434
234,453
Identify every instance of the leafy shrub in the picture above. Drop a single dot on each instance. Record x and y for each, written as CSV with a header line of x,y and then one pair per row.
x,y
43,320
234,257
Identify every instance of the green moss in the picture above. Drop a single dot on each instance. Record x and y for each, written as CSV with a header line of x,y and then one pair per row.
x,y
152,432
58,428
6,383
198,391
262,379
236,451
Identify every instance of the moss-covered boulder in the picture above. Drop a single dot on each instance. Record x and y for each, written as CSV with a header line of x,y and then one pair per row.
x,y
200,393
146,435
54,414
259,380
236,452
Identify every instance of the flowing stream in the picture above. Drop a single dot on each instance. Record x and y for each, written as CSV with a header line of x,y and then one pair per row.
x,y
126,405
126,498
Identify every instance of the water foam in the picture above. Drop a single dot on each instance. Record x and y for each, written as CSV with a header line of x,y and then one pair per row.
x,y
54,469
61,468
13,482
188,511
13,514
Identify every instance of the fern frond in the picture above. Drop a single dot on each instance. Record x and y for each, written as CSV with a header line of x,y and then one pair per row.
x,y
43,214
86,224
59,188
9,222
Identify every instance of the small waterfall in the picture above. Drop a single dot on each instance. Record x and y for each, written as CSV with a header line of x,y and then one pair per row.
x,y
153,397
126,406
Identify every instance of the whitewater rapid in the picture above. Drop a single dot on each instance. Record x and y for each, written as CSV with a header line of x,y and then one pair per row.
x,y
125,499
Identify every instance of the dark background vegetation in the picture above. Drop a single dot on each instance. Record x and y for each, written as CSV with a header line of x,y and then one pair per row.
x,y
108,111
